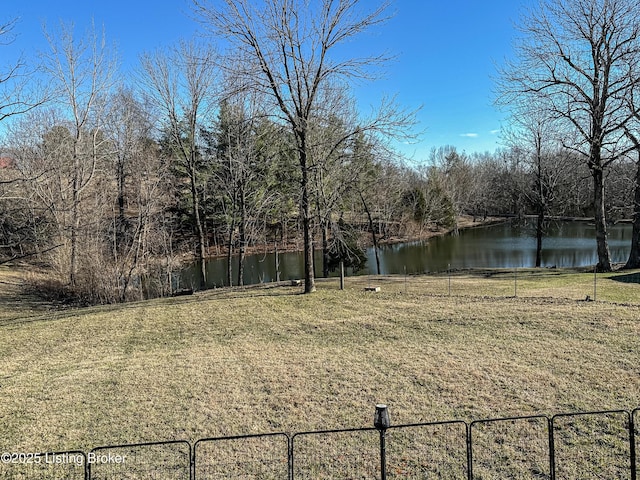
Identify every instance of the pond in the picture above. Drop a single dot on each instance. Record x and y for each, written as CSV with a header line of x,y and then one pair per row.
x,y
503,245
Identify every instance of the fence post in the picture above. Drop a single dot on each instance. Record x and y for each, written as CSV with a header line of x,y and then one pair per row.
x,y
381,422
405,279
277,262
469,452
632,446
552,452
192,468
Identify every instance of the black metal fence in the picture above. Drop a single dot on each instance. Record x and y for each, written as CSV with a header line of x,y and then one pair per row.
x,y
256,456
166,460
586,445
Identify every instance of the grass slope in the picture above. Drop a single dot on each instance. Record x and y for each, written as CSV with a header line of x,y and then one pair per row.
x,y
264,360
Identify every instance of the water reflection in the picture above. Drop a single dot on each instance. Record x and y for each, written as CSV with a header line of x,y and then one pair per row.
x,y
506,245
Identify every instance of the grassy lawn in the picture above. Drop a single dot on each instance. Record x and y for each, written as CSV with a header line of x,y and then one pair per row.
x,y
269,359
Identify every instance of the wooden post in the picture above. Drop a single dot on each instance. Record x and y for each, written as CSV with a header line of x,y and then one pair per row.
x,y
405,279
341,275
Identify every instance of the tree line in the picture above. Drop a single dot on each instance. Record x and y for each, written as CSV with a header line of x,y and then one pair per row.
x,y
113,184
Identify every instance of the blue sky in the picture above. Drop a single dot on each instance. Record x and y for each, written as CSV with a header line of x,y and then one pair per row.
x,y
447,52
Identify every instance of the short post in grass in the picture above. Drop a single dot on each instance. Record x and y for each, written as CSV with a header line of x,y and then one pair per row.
x,y
449,276
277,263
405,279
515,282
595,281
381,421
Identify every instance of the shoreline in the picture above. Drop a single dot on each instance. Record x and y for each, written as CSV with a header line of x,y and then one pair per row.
x,y
465,222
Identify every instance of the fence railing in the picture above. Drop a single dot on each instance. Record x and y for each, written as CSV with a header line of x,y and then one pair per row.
x,y
265,456
571,284
167,460
585,445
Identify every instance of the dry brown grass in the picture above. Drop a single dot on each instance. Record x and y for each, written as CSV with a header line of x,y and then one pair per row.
x,y
265,360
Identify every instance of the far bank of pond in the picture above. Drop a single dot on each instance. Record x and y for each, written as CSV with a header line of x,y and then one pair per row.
x,y
504,245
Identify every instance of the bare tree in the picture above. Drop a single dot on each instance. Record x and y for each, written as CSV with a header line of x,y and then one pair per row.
x,y
129,132
287,46
452,172
81,72
575,58
368,175
138,175
242,164
342,149
31,187
535,133
182,85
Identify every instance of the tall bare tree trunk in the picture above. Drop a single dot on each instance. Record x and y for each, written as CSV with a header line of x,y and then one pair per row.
x,y
325,249
243,235
604,257
75,217
309,276
75,225
230,251
373,233
542,203
539,236
202,254
122,221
